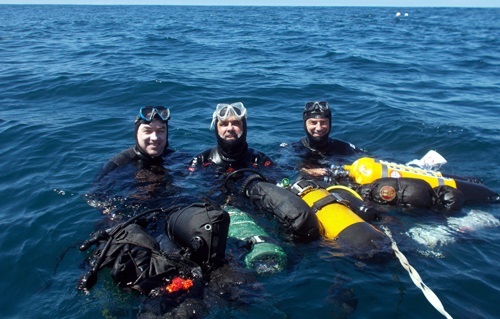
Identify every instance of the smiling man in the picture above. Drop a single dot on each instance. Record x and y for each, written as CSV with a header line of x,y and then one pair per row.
x,y
316,148
151,140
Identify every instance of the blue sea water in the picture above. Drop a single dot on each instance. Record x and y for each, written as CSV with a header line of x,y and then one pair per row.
x,y
73,77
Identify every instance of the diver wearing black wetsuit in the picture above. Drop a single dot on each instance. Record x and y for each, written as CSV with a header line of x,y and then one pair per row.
x,y
144,173
230,155
322,145
317,150
137,154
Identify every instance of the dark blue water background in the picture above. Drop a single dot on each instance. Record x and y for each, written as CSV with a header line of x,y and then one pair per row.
x,y
73,77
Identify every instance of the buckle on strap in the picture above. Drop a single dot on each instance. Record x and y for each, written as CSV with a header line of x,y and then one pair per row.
x,y
327,200
303,186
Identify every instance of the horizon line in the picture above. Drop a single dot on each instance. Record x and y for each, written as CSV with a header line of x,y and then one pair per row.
x,y
245,5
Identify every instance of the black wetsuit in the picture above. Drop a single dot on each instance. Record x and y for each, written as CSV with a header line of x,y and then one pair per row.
x,y
132,179
332,147
134,156
214,158
330,152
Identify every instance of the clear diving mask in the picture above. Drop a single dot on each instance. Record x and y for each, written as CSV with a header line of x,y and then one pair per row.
x,y
224,111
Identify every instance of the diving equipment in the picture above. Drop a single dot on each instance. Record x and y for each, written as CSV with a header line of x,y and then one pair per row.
x,y
223,111
148,113
367,170
264,255
337,220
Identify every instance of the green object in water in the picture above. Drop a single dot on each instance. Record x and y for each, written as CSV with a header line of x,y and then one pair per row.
x,y
264,256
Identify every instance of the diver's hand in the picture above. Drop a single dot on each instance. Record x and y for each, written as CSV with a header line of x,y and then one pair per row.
x,y
316,172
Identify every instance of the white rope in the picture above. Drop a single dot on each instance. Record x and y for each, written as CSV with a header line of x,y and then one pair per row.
x,y
415,277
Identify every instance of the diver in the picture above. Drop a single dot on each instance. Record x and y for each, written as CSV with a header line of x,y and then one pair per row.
x,y
151,140
316,147
233,160
170,252
318,152
232,151
143,174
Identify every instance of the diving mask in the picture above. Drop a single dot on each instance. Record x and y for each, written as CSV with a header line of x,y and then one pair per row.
x,y
148,113
224,111
317,106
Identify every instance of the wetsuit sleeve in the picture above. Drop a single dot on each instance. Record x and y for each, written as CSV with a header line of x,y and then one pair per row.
x,y
199,161
116,161
348,148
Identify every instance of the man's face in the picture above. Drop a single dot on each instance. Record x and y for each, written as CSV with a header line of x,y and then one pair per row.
x,y
152,137
318,127
230,129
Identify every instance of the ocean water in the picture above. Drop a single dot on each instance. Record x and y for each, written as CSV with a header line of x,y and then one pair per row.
x,y
73,77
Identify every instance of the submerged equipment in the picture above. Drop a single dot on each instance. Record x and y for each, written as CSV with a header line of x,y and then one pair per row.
x,y
365,210
337,219
264,255
415,277
412,192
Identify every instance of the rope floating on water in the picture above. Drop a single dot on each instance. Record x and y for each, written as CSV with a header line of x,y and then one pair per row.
x,y
415,277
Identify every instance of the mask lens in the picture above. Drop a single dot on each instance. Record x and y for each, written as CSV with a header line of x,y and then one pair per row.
x,y
163,112
321,106
309,106
239,109
147,113
223,111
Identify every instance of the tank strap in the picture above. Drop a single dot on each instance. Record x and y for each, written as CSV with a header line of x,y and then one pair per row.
x,y
332,189
333,198
303,187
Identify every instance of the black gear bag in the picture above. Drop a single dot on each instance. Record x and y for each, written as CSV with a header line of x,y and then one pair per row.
x,y
135,259
201,230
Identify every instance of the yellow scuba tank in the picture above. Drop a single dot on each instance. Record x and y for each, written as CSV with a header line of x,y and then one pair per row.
x,y
366,170
336,219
